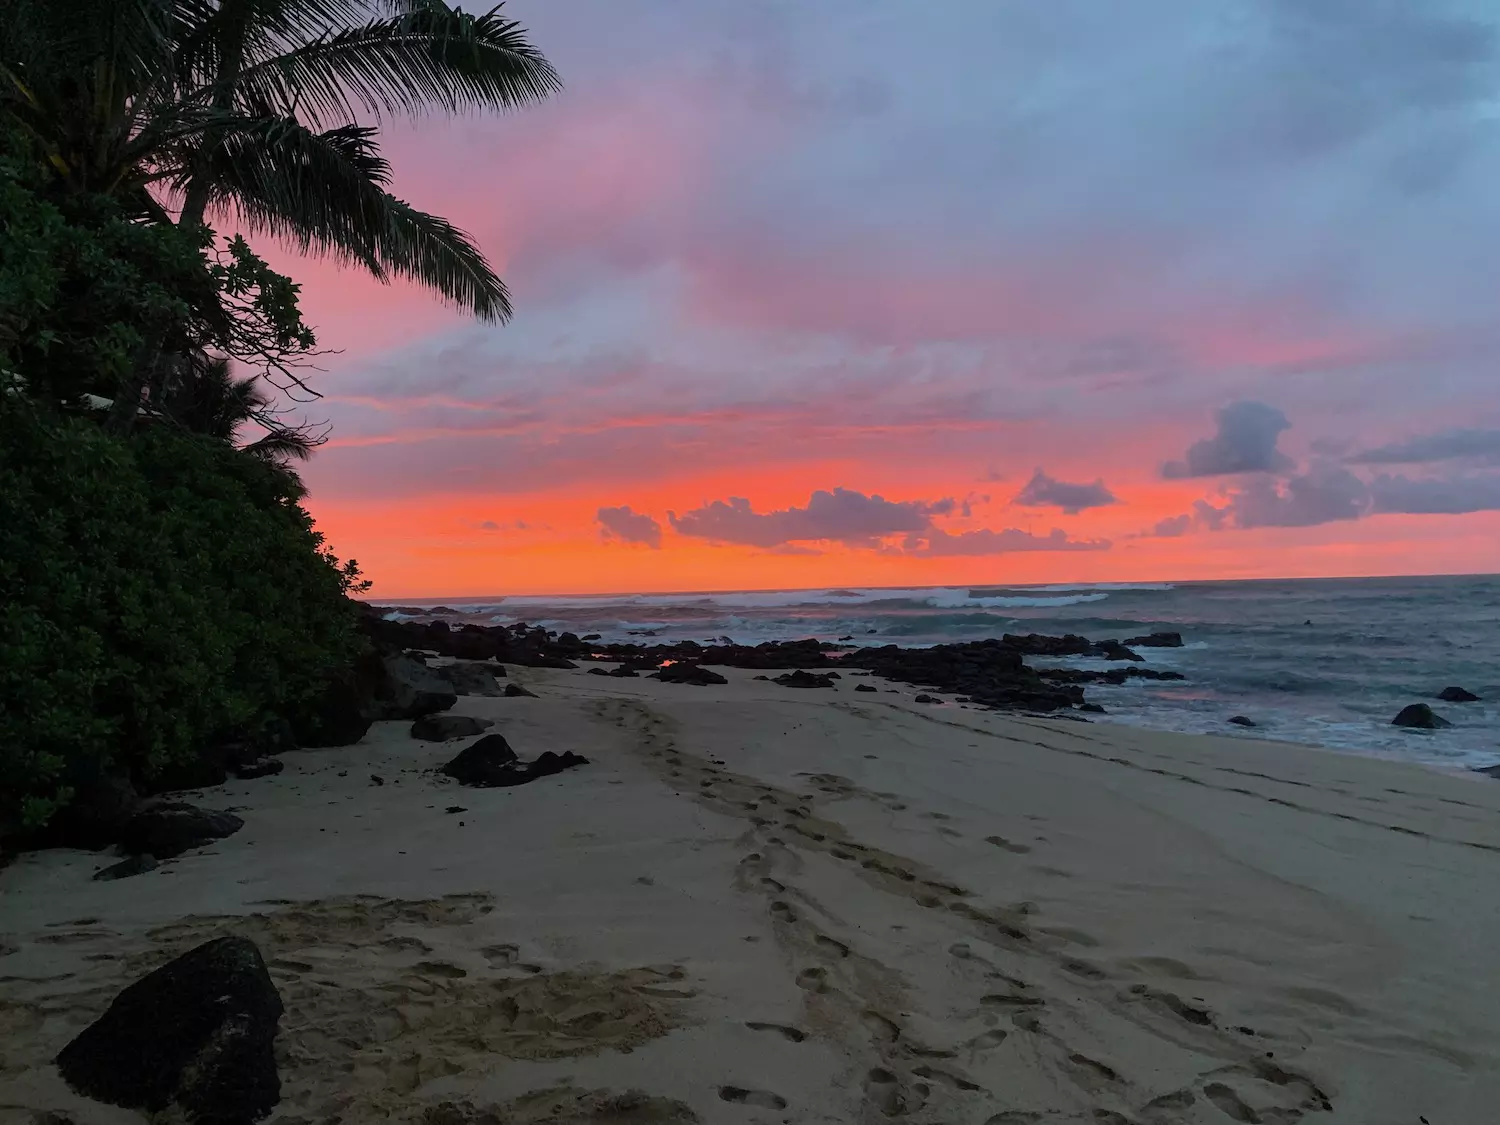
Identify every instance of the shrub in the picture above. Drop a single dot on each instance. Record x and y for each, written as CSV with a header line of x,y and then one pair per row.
x,y
155,591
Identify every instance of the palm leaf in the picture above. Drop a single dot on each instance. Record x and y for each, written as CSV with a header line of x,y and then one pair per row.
x,y
425,55
281,445
325,193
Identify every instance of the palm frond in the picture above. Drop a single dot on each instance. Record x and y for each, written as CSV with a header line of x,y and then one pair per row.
x,y
281,445
423,56
325,193
431,250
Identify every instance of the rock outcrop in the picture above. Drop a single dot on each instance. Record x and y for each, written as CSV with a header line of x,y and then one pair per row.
x,y
195,1038
1419,716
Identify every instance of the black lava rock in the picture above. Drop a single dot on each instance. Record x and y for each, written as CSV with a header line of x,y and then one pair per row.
x,y
196,1036
1242,721
1419,716
491,763
925,698
1457,695
260,767
135,865
440,728
1092,708
865,687
1155,640
801,679
685,673
411,690
169,829
514,690
473,677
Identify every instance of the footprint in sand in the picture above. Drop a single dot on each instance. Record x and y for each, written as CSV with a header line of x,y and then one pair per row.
x,y
829,945
1229,1103
1002,842
932,1074
761,1098
439,969
796,1035
783,912
501,956
881,1029
813,980
883,1091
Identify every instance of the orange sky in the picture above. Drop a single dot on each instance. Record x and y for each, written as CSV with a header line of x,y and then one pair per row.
x,y
757,264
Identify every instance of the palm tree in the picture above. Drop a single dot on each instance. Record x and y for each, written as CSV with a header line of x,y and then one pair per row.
x,y
215,403
252,109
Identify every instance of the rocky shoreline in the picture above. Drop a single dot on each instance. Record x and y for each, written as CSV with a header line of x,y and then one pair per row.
x,y
992,674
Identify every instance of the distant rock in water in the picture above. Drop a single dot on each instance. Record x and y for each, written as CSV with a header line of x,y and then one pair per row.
x,y
1489,771
924,698
1419,716
1241,721
196,1036
1092,708
1457,695
1156,640
865,687
440,728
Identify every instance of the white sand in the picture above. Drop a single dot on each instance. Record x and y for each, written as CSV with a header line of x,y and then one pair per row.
x,y
765,905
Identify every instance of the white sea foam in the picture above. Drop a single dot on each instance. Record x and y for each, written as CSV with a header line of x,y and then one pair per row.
x,y
932,597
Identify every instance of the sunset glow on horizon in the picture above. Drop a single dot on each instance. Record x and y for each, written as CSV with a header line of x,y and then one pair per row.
x,y
1197,291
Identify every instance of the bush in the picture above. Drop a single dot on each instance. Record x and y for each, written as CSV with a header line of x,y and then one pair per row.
x,y
155,591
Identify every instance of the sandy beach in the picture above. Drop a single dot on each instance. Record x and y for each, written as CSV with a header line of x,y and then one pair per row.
x,y
764,905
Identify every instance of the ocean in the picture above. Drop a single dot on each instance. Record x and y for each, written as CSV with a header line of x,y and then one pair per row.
x,y
1327,661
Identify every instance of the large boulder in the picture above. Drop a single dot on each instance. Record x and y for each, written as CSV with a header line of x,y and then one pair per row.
x,y
171,828
1155,640
801,679
339,716
473,677
490,763
683,672
1419,716
101,807
195,1037
410,690
1457,695
440,728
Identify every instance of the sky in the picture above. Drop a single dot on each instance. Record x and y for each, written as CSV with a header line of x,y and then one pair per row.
x,y
870,292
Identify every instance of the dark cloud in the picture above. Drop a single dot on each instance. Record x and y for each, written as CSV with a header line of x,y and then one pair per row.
x,y
1445,445
630,527
1323,494
868,522
1244,443
1042,491
1435,495
1170,528
939,543
843,516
